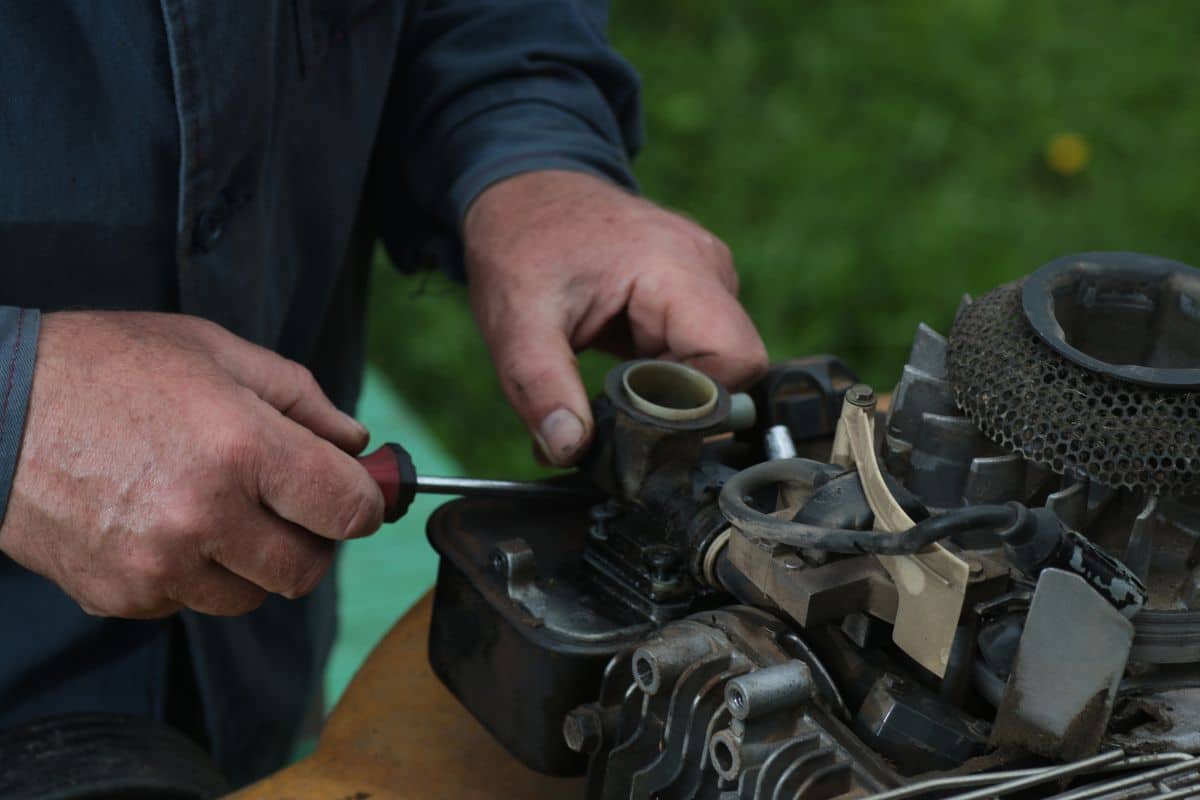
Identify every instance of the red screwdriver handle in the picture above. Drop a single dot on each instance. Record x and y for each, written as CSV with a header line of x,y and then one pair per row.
x,y
392,468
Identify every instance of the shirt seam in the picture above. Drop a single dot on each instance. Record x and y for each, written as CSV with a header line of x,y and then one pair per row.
x,y
12,363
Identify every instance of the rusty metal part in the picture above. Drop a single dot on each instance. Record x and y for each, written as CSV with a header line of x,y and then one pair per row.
x,y
1069,664
813,595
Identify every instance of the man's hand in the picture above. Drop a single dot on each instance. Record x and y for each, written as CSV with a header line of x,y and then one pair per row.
x,y
560,261
167,463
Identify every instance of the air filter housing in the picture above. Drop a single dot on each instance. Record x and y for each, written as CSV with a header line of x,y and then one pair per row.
x,y
1090,366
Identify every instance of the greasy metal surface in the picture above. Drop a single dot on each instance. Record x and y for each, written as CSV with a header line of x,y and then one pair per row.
x,y
945,466
1027,396
907,724
398,734
1069,664
519,634
716,702
812,595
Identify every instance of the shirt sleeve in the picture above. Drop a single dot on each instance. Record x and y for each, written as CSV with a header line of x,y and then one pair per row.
x,y
487,89
18,349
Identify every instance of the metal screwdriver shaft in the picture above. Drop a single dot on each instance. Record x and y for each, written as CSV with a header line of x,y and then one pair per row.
x,y
392,468
484,487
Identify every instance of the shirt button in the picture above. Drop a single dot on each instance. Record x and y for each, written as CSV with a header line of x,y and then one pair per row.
x,y
210,226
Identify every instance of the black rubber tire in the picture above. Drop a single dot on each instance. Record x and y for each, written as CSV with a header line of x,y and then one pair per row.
x,y
102,757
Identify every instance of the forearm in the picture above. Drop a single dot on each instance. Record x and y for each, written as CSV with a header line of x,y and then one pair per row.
x,y
491,90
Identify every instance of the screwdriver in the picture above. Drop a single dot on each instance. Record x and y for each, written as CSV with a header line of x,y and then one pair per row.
x,y
392,468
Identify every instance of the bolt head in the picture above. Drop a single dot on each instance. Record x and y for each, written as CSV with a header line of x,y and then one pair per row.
x,y
583,730
662,562
861,395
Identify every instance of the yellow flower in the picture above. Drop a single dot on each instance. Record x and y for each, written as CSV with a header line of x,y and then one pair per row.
x,y
1067,153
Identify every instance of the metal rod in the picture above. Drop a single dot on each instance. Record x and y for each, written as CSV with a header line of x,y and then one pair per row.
x,y
1191,790
988,778
957,782
1133,780
1064,771
483,487
778,443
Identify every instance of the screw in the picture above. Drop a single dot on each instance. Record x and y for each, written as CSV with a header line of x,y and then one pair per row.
x,y
662,561
601,515
499,564
861,395
792,561
583,730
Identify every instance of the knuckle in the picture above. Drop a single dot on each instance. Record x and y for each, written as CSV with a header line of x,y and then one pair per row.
x,y
93,608
244,602
240,443
308,574
151,567
231,604
362,513
719,249
129,603
184,519
301,378
757,362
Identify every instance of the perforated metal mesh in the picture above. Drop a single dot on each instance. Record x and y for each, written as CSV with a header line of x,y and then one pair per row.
x,y
1025,396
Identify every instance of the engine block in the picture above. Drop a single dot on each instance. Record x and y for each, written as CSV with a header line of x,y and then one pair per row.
x,y
992,586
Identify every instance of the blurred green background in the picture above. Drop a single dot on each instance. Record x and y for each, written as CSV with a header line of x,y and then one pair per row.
x,y
867,164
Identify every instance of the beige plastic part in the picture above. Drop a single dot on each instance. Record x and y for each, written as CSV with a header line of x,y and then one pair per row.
x,y
710,556
742,412
670,391
932,584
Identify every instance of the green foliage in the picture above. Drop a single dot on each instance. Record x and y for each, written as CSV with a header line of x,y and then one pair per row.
x,y
867,163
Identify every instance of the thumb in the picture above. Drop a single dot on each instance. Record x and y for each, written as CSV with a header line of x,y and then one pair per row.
x,y
540,376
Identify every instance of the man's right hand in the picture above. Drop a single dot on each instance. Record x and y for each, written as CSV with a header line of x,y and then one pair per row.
x,y
168,464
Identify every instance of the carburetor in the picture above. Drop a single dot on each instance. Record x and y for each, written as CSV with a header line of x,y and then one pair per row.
x,y
989,587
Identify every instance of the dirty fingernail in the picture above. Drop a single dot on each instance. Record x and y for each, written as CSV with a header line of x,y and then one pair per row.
x,y
560,435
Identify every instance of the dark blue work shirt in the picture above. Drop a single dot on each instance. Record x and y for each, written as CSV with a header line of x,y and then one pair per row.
x,y
236,160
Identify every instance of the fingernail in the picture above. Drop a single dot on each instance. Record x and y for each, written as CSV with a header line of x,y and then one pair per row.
x,y
560,435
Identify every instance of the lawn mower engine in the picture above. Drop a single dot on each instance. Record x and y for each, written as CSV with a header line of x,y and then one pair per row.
x,y
989,588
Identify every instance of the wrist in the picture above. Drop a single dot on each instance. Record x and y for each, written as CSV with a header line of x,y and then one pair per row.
x,y
513,199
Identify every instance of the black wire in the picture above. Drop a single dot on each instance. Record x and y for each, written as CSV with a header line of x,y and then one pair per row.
x,y
1005,518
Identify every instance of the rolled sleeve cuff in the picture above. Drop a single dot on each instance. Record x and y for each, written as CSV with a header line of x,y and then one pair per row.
x,y
526,137
18,349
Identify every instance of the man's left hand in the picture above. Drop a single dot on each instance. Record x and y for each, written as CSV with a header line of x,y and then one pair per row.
x,y
560,261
